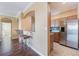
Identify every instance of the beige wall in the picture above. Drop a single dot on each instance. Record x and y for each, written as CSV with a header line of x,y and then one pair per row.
x,y
78,11
14,28
40,36
26,23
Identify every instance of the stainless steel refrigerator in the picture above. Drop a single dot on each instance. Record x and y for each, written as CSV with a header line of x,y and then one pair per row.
x,y
71,34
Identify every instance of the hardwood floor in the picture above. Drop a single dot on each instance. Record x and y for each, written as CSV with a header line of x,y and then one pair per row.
x,y
17,50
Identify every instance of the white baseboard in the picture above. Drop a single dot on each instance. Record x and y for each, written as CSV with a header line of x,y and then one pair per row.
x,y
36,51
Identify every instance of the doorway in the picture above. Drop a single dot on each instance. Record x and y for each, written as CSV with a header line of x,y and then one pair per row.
x,y
60,13
6,36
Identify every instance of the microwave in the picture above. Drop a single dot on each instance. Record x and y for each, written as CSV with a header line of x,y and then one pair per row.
x,y
55,29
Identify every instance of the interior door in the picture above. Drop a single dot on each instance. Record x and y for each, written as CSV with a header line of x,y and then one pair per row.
x,y
6,36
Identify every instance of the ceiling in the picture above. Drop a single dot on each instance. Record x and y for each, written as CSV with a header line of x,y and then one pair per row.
x,y
12,8
59,7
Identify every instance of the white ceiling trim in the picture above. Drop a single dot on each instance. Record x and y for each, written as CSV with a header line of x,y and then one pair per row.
x,y
26,8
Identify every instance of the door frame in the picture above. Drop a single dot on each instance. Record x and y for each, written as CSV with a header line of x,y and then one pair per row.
x,y
49,33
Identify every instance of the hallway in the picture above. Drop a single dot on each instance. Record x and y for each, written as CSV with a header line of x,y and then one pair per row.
x,y
17,50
